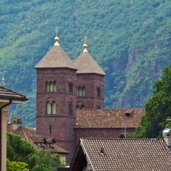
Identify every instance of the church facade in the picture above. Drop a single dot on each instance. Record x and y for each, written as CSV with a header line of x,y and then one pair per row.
x,y
70,97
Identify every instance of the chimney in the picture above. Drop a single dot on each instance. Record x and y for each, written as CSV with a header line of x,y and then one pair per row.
x,y
167,136
15,123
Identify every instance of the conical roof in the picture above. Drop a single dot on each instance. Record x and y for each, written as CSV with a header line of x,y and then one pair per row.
x,y
86,64
56,57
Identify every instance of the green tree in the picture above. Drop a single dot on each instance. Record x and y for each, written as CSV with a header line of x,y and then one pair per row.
x,y
22,154
157,108
17,149
16,166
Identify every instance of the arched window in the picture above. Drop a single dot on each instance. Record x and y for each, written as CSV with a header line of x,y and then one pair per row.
x,y
51,107
77,92
48,108
81,91
51,86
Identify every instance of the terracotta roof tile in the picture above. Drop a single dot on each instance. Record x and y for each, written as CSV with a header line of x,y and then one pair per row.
x,y
127,154
116,118
56,58
87,65
6,93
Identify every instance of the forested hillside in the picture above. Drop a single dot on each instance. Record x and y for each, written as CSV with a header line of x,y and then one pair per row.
x,y
130,39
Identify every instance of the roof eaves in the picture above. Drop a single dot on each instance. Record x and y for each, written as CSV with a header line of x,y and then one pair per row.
x,y
85,151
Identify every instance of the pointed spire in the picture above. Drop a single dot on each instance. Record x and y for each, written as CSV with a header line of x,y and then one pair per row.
x,y
85,62
56,57
85,46
56,41
56,38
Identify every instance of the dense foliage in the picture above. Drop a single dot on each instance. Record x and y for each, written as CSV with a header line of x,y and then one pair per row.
x,y
16,166
157,108
129,39
22,155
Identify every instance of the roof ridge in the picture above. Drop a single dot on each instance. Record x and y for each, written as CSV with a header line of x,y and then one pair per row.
x,y
120,139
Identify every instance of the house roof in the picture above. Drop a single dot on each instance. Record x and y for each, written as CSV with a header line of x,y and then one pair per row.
x,y
126,154
56,57
112,118
8,94
86,64
38,141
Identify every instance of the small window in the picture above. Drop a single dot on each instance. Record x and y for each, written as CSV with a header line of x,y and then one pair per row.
x,y
70,86
98,92
54,86
51,86
47,87
77,91
53,108
70,108
48,108
81,91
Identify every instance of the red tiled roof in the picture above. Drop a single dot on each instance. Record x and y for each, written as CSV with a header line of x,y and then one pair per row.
x,y
38,141
127,154
116,118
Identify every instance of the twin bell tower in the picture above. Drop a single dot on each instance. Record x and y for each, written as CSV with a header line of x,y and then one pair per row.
x,y
63,87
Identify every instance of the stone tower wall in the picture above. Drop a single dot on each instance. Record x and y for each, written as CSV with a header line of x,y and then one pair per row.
x,y
59,125
91,82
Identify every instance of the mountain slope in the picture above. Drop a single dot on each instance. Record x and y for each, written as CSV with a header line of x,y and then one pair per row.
x,y
130,39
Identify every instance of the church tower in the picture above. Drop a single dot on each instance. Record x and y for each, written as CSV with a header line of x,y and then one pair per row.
x,y
90,82
56,96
